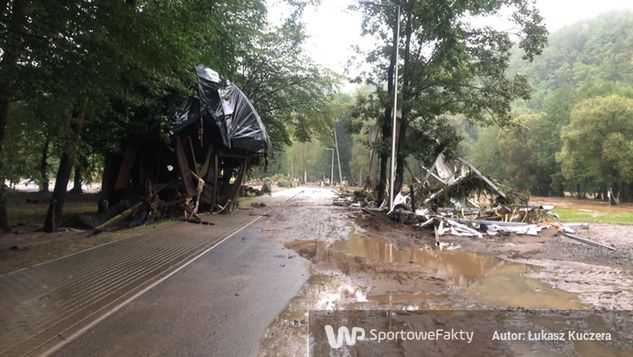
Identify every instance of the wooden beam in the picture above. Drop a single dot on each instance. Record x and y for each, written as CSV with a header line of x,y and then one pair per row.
x,y
214,180
183,167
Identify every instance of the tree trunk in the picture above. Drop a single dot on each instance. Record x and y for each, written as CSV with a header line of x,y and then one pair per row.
x,y
4,219
386,122
614,197
77,179
56,206
108,180
400,158
8,67
44,182
384,157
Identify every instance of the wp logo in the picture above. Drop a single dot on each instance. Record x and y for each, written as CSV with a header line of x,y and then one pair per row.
x,y
344,335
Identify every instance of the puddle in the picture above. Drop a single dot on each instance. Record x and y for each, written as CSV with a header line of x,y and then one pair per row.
x,y
320,292
487,279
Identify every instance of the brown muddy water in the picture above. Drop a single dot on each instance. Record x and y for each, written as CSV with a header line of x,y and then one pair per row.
x,y
490,281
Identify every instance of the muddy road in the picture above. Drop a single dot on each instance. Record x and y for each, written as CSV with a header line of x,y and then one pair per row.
x,y
367,262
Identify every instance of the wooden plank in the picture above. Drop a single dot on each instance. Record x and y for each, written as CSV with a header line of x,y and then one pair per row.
x,y
587,241
237,185
183,167
193,156
214,180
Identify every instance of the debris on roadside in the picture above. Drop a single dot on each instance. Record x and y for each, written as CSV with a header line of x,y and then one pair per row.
x,y
456,199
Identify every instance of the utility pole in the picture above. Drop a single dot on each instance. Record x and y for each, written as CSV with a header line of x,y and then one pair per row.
x,y
332,167
338,158
395,99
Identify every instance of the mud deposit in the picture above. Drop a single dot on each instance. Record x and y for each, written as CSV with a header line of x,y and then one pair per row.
x,y
362,262
487,280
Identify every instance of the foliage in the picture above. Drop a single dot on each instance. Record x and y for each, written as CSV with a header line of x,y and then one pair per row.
x,y
451,65
89,76
282,182
587,60
598,143
136,66
289,92
592,51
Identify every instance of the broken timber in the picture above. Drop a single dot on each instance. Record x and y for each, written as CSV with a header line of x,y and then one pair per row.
x,y
587,241
215,138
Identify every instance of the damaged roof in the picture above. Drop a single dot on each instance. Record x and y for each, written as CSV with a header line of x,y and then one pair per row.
x,y
225,109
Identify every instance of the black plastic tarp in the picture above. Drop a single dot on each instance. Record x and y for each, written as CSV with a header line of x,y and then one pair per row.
x,y
224,108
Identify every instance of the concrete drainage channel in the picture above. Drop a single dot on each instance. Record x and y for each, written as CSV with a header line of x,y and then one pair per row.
x,y
48,305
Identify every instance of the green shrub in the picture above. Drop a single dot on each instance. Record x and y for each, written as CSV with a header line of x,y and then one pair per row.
x,y
282,182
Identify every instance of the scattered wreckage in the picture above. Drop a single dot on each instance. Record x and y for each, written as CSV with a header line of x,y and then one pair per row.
x,y
455,198
213,141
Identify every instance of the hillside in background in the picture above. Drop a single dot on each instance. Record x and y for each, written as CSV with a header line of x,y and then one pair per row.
x,y
593,51
572,135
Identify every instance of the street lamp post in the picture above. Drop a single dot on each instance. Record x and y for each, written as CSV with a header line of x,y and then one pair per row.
x,y
332,167
395,99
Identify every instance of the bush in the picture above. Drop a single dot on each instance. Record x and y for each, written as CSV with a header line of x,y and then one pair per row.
x,y
282,182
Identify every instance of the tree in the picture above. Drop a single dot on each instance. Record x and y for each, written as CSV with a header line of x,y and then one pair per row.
x,y
597,150
452,66
12,35
290,92
97,75
536,139
509,154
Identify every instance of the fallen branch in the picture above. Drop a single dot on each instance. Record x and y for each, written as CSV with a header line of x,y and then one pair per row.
x,y
125,214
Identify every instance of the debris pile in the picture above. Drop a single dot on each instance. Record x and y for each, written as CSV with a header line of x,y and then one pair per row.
x,y
214,139
455,198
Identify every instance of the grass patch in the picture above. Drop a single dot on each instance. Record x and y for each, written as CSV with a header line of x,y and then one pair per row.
x,y
33,214
576,215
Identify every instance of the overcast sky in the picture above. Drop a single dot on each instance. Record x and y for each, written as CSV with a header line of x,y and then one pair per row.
x,y
333,29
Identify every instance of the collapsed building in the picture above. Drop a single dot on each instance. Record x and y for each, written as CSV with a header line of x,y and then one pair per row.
x,y
455,198
212,142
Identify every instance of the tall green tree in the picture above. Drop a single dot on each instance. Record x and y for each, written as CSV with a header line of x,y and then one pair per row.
x,y
451,65
96,75
597,147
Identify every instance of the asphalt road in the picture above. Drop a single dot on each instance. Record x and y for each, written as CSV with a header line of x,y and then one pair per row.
x,y
220,305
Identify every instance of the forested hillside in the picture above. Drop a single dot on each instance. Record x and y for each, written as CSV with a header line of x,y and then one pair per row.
x,y
574,133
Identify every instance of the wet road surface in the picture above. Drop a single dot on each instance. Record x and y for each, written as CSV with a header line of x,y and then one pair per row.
x,y
220,305
198,285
